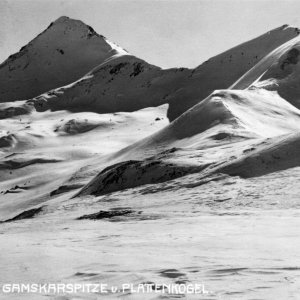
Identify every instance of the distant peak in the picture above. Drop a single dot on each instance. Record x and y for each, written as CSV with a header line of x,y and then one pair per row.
x,y
284,26
64,20
288,29
287,26
61,19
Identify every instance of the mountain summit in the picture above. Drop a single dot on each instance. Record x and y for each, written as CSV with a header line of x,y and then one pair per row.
x,y
61,54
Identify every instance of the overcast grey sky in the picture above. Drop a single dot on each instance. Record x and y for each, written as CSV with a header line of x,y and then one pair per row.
x,y
168,33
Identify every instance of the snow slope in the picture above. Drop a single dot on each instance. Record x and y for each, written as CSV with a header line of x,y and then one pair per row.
x,y
278,71
280,154
225,115
215,136
40,152
221,71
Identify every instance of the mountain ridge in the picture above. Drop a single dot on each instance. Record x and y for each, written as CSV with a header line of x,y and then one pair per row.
x,y
189,85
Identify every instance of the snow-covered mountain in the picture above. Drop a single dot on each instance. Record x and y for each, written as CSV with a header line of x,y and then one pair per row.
x,y
108,87
261,103
221,71
123,82
61,54
91,132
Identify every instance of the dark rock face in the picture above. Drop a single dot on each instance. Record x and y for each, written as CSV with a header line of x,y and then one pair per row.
x,y
27,214
102,214
138,68
7,141
10,112
64,189
116,69
133,173
292,58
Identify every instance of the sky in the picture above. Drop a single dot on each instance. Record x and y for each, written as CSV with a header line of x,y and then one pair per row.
x,y
167,33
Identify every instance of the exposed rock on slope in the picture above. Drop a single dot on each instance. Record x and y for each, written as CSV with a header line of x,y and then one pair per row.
x,y
106,214
28,214
75,126
123,84
63,53
7,140
17,108
132,173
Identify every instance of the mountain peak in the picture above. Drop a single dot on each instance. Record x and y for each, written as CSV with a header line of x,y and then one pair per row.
x,y
61,54
62,19
73,23
287,27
